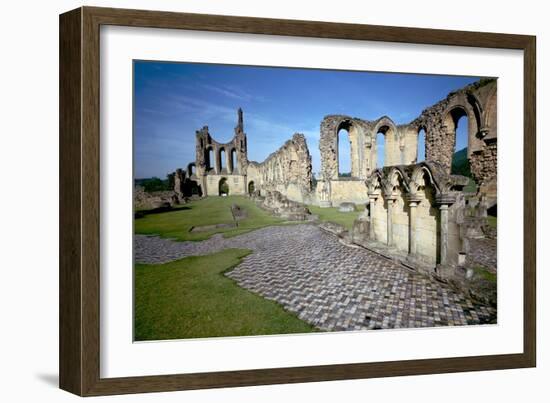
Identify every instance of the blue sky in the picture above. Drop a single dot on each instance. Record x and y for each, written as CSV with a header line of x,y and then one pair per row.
x,y
173,100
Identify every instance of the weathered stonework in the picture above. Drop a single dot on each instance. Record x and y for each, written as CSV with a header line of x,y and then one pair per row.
x,y
416,212
476,101
219,167
287,170
154,200
281,206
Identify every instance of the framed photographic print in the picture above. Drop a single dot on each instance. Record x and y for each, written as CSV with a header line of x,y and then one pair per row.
x,y
251,201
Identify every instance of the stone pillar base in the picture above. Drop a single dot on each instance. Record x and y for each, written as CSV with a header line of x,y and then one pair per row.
x,y
325,204
445,271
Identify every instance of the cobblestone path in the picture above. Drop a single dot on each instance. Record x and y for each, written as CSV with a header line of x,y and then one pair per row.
x,y
328,284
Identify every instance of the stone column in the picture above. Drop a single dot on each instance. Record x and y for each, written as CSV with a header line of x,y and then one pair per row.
x,y
229,163
413,203
391,200
217,161
444,201
204,186
372,201
444,211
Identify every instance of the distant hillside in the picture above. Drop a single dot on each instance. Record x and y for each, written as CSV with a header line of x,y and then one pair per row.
x,y
460,164
155,184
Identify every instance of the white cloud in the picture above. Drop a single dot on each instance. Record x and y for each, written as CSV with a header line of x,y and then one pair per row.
x,y
229,91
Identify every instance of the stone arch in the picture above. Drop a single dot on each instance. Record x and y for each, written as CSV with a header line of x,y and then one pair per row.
x,y
344,126
392,149
464,105
223,187
421,137
374,183
209,158
191,170
451,120
400,211
425,189
251,188
222,159
359,146
419,175
397,178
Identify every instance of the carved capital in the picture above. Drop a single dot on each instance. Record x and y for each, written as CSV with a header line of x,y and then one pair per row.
x,y
413,199
373,196
445,199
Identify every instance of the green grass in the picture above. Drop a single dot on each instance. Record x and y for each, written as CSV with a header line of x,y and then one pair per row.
x,y
471,187
492,221
333,215
485,274
211,210
191,298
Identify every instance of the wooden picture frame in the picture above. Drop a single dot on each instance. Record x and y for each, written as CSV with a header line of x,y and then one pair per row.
x,y
79,201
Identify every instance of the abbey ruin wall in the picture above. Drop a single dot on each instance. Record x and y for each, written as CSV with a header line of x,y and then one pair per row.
x,y
224,169
288,171
415,210
439,123
478,103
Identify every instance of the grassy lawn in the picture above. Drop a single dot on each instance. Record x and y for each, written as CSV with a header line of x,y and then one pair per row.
x,y
211,210
485,274
333,215
492,221
191,298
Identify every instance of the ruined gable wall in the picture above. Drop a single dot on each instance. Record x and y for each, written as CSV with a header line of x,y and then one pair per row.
x,y
288,170
211,167
360,145
478,102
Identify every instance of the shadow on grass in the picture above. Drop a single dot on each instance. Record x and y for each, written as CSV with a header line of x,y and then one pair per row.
x,y
143,213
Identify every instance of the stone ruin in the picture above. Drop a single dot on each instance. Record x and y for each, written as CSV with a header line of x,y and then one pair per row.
x,y
288,170
281,206
476,101
416,212
154,200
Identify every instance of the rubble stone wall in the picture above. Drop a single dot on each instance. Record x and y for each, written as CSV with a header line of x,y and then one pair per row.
x,y
287,171
235,183
478,103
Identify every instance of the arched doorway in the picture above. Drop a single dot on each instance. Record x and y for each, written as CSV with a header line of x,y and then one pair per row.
x,y
223,187
251,188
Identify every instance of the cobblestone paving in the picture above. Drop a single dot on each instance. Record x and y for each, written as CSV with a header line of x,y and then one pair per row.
x,y
330,285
